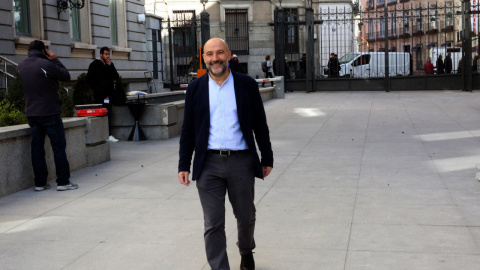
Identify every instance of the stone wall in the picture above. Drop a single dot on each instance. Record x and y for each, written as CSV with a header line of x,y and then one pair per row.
x,y
86,146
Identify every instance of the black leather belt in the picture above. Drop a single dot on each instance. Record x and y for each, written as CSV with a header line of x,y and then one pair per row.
x,y
226,152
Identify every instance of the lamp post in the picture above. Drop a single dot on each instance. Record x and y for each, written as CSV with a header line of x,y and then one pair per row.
x,y
63,5
205,23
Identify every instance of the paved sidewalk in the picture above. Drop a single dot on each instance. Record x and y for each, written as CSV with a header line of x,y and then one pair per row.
x,y
361,180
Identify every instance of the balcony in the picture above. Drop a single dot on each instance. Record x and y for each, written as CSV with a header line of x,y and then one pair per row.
x,y
418,33
404,1
432,31
392,35
404,32
381,36
448,28
371,37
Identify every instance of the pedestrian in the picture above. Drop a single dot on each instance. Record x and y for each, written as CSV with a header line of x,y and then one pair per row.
x,y
448,63
332,66
100,76
338,67
460,66
225,160
194,63
234,65
440,65
287,69
429,67
39,75
475,63
269,73
303,66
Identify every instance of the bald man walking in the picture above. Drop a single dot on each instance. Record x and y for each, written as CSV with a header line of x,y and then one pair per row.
x,y
223,112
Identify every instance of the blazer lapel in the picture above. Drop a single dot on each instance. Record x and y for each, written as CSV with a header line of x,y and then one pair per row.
x,y
238,96
205,97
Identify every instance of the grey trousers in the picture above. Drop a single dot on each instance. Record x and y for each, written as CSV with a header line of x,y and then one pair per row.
x,y
234,174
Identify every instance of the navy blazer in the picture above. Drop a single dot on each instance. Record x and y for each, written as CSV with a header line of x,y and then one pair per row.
x,y
196,123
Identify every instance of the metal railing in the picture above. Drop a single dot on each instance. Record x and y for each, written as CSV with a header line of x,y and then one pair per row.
x,y
7,67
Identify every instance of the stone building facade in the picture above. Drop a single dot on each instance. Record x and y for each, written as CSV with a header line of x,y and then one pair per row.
x,y
424,28
76,35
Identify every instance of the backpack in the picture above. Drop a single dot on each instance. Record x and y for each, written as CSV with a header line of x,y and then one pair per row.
x,y
264,67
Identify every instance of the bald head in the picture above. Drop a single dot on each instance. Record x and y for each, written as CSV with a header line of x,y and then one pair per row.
x,y
214,42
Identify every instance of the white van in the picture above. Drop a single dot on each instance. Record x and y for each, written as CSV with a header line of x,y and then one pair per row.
x,y
372,64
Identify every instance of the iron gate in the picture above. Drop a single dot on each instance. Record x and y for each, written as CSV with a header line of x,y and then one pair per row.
x,y
383,46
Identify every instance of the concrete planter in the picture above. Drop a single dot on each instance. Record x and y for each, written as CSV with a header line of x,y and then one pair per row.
x,y
86,146
158,121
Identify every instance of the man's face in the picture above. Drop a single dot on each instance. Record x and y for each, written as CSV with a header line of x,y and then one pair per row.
x,y
105,56
216,57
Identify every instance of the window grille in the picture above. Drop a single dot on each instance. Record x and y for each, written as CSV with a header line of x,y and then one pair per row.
x,y
236,30
291,30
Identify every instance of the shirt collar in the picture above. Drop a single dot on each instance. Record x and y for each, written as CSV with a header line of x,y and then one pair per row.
x,y
230,77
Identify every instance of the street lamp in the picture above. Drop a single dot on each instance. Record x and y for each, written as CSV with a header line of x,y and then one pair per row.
x,y
63,5
204,2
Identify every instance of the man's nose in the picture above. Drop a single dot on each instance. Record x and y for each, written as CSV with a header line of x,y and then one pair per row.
x,y
215,57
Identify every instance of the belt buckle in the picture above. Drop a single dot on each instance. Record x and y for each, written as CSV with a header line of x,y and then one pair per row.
x,y
224,153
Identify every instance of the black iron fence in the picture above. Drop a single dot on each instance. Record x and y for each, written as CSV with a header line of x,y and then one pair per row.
x,y
423,30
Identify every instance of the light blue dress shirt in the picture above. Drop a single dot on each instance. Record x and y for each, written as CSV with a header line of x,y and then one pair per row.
x,y
225,133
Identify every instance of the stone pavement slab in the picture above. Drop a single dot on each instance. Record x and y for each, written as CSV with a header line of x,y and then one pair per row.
x,y
361,180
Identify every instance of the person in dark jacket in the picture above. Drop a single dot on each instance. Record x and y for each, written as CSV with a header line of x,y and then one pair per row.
x,y
332,66
234,65
460,66
448,63
39,75
440,65
101,75
303,66
225,159
475,63
338,67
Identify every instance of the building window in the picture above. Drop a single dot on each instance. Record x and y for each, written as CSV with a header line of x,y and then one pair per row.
x,y
449,14
184,38
114,21
406,28
433,18
22,17
236,30
75,26
393,25
419,21
382,28
291,30
371,34
370,4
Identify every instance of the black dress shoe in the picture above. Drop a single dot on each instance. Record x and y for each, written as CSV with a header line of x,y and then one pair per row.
x,y
248,263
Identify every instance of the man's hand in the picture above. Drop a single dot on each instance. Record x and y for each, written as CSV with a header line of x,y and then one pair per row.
x,y
266,171
108,61
183,178
50,55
